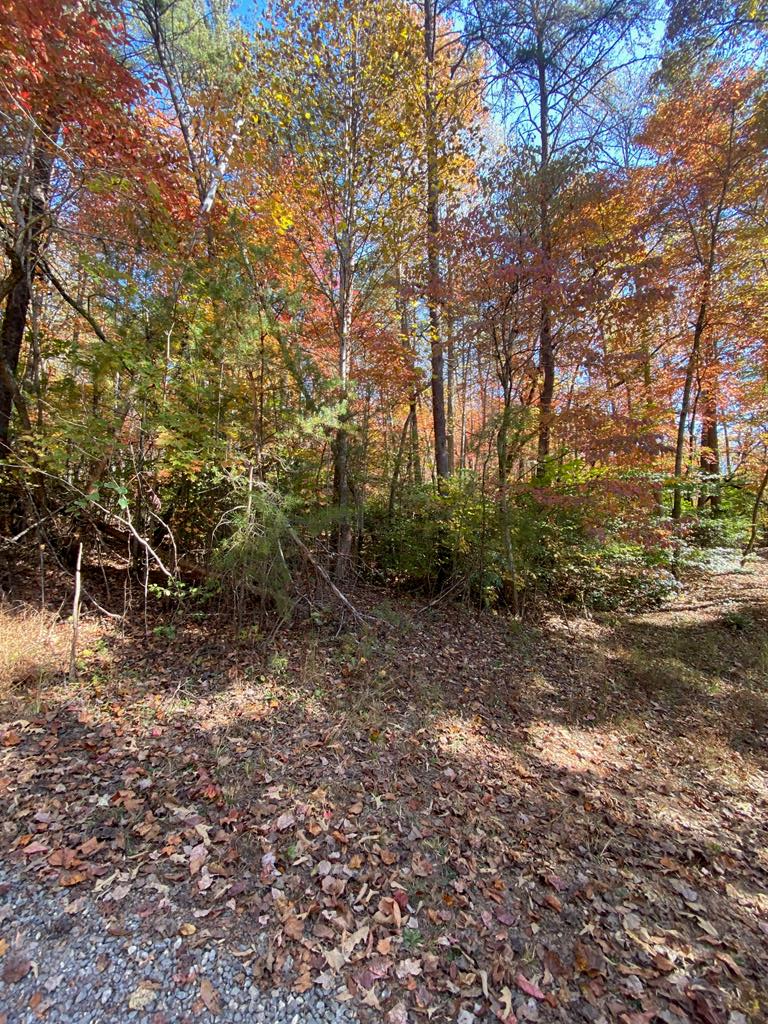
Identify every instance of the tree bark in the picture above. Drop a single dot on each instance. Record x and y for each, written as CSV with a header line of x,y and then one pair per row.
x,y
709,456
546,344
341,488
685,405
437,360
19,298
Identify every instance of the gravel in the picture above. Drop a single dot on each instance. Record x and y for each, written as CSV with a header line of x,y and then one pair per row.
x,y
63,966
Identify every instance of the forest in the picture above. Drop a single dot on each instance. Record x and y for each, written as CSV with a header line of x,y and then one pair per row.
x,y
469,297
384,511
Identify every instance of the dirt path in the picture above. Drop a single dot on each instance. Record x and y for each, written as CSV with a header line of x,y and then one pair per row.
x,y
453,817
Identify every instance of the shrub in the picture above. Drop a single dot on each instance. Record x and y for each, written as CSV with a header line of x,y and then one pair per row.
x,y
458,536
250,560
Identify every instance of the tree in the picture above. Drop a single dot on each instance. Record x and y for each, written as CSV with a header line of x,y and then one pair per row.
x,y
703,136
551,60
335,92
69,103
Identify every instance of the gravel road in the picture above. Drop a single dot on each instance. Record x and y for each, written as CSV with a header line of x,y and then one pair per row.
x,y
64,961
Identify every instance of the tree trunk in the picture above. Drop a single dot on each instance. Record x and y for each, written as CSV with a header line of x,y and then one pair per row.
x,y
709,455
11,336
17,304
685,404
546,345
504,509
442,464
341,489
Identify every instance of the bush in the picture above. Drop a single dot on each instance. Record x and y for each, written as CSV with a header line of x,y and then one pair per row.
x,y
435,538
612,577
432,540
250,560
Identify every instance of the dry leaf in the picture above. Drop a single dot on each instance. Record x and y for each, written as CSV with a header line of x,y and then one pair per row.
x,y
528,987
398,1014
409,968
141,998
70,878
197,857
210,997
335,958
16,967
293,927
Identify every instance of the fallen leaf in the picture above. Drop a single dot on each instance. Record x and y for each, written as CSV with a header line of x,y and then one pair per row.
x,y
141,998
409,968
528,987
333,885
197,857
70,878
16,967
210,997
33,848
336,959
293,927
421,866
552,901
398,1014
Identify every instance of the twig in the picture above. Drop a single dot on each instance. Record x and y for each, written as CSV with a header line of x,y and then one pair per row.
x,y
443,594
75,617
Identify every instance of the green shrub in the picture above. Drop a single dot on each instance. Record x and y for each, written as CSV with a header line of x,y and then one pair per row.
x,y
457,538
250,560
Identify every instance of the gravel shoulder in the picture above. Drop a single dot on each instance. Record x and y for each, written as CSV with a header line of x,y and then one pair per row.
x,y
69,961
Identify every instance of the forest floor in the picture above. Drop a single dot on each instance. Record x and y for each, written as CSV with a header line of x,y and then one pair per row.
x,y
450,817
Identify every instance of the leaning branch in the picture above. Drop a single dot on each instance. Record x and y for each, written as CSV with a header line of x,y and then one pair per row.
x,y
325,577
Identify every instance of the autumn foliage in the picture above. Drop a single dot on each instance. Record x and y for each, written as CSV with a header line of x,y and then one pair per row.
x,y
456,324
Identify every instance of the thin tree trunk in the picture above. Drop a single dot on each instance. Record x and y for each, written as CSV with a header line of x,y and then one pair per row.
x,y
442,464
504,511
546,344
756,514
685,405
396,467
341,487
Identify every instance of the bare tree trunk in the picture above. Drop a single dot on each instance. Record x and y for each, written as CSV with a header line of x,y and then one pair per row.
x,y
17,304
504,509
442,464
709,456
414,460
341,489
546,344
685,405
750,547
75,617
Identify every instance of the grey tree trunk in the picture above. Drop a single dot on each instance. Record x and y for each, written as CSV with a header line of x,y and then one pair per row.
x,y
437,360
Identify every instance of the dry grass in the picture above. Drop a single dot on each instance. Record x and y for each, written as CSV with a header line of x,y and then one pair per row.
x,y
32,644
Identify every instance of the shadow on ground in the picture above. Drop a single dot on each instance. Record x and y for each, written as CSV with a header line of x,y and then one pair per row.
x,y
579,803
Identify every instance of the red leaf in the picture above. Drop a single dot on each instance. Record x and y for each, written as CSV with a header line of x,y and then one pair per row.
x,y
528,987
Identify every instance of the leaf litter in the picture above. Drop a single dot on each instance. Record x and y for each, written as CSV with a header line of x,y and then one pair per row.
x,y
450,819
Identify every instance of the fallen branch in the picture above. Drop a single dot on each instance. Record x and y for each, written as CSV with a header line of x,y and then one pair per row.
x,y
325,577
